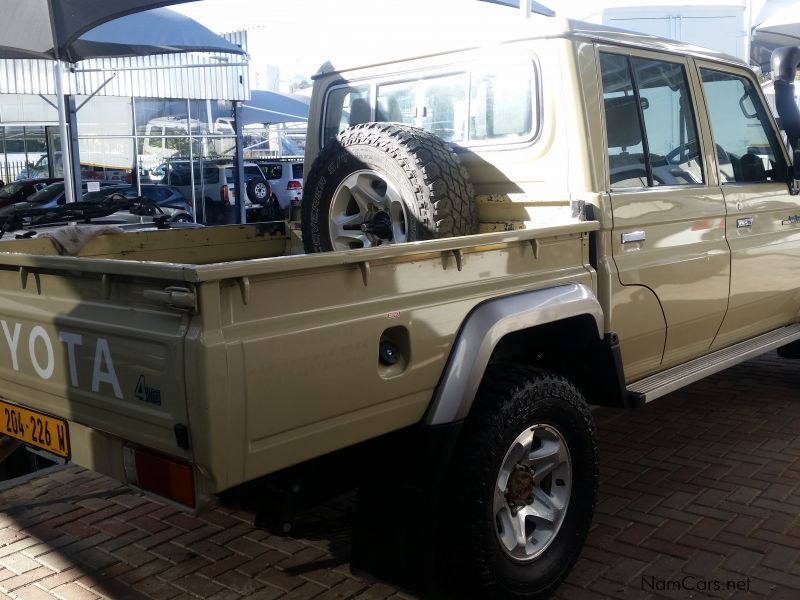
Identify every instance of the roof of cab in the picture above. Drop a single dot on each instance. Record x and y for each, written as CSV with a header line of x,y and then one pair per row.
x,y
537,27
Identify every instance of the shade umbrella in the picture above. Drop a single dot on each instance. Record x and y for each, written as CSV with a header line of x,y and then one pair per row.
x,y
157,31
47,28
274,107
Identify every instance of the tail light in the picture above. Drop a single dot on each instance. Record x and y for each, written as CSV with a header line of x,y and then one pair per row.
x,y
163,475
294,185
189,202
224,195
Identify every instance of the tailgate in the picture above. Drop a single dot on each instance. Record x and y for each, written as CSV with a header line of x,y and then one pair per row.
x,y
86,350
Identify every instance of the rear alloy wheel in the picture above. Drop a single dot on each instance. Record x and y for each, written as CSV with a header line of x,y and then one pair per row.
x,y
532,493
522,486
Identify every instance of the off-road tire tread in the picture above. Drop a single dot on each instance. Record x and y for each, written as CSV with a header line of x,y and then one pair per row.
x,y
500,403
443,194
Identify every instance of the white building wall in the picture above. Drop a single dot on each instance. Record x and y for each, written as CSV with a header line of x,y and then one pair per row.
x,y
192,76
721,26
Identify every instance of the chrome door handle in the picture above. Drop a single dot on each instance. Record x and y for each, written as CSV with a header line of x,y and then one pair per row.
x,y
633,236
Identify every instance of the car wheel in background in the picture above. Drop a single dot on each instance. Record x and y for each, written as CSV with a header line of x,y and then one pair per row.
x,y
258,189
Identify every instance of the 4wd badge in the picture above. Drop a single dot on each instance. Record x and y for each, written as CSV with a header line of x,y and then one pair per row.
x,y
147,394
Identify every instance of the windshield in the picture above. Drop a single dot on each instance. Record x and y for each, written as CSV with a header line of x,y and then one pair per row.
x,y
11,189
47,193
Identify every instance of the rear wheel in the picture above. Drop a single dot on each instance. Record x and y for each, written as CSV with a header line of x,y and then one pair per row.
x,y
524,482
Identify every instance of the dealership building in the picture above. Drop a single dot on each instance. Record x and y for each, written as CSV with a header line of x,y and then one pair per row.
x,y
126,116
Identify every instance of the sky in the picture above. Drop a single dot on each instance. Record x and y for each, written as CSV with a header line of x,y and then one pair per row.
x,y
300,35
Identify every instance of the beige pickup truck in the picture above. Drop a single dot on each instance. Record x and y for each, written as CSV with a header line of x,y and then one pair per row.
x,y
495,239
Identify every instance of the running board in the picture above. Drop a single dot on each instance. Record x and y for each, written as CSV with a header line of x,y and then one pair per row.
x,y
660,384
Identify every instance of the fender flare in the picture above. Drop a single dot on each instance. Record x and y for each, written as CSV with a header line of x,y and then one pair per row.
x,y
486,325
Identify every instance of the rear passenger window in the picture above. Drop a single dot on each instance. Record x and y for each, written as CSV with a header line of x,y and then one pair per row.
x,y
650,126
747,147
272,171
210,175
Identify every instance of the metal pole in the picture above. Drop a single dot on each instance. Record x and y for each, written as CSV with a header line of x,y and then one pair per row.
x,y
74,147
525,7
238,165
69,186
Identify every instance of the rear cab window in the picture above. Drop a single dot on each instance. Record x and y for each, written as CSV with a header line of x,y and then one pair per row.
x,y
475,103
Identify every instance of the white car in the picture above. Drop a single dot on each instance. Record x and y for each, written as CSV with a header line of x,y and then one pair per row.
x,y
214,187
285,176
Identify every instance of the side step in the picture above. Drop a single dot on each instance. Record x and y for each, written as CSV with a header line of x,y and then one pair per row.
x,y
660,384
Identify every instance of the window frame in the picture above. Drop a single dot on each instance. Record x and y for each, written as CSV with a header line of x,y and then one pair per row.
x,y
773,130
694,93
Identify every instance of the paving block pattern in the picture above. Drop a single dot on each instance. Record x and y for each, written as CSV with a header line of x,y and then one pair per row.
x,y
699,497
700,492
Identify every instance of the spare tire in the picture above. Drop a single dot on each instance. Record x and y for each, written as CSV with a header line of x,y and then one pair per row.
x,y
258,190
380,183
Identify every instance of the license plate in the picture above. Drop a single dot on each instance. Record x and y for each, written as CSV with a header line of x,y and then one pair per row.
x,y
35,429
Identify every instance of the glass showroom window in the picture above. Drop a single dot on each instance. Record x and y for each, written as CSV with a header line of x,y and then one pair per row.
x,y
107,159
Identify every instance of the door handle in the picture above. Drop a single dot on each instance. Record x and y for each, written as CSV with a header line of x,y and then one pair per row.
x,y
633,236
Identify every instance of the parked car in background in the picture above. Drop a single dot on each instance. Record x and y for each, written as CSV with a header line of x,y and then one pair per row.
x,y
17,191
167,197
285,176
52,195
214,187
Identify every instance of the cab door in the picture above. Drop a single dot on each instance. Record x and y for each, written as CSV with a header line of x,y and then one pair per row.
x,y
763,219
668,234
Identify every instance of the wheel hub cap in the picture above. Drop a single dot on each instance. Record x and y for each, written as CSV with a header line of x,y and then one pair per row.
x,y
520,487
532,493
367,210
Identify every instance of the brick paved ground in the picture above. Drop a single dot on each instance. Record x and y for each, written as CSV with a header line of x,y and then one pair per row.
x,y
700,487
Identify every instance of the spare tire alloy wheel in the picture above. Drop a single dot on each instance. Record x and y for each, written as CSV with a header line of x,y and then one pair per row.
x,y
257,189
385,183
367,210
525,475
